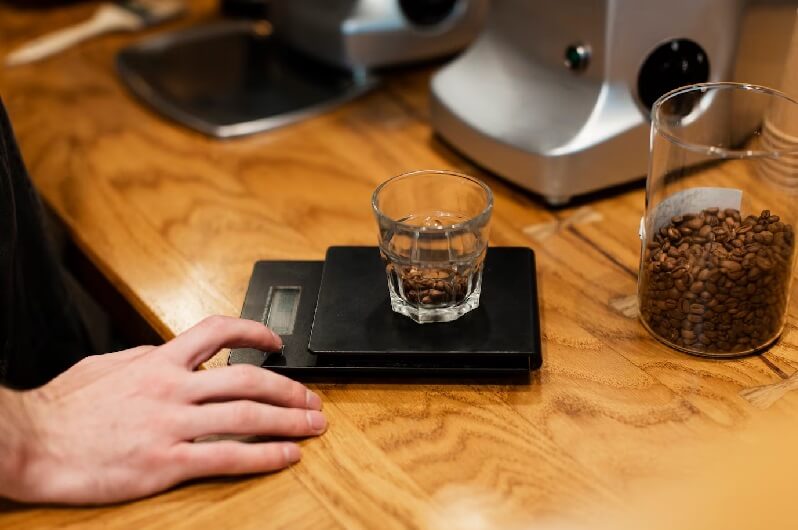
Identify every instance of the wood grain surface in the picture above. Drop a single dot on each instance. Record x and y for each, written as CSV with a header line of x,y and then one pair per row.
x,y
175,220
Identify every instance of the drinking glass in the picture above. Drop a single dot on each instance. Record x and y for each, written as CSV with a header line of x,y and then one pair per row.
x,y
433,236
718,236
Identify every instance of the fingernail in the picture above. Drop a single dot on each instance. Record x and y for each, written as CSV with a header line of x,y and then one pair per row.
x,y
316,420
312,401
291,453
278,339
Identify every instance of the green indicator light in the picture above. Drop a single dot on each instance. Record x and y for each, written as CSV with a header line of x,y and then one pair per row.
x,y
577,57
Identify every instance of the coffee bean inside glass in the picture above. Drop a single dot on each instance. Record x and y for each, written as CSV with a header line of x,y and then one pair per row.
x,y
433,236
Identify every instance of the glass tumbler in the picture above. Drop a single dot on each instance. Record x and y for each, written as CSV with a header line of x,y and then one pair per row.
x,y
718,236
433,236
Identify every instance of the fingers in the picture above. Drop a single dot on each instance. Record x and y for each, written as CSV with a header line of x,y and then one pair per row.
x,y
196,460
200,342
251,383
249,417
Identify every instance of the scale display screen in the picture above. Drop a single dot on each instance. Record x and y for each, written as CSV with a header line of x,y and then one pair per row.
x,y
281,308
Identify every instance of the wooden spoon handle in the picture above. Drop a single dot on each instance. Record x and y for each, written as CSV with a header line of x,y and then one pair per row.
x,y
106,19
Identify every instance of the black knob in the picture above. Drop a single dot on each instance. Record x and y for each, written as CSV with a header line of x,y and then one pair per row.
x,y
672,65
427,12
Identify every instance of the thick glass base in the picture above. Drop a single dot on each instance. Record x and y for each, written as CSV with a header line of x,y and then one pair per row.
x,y
424,314
712,354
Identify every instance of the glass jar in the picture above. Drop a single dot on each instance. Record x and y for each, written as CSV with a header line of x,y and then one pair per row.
x,y
718,236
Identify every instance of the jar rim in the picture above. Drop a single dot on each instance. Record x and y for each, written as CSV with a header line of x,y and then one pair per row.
x,y
719,152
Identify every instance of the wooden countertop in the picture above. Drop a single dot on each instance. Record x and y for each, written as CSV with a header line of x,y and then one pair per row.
x,y
175,220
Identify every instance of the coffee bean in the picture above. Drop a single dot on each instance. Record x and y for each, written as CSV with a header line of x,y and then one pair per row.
x,y
695,223
697,287
763,263
671,304
730,266
715,281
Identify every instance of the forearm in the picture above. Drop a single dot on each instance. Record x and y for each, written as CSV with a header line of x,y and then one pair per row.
x,y
16,440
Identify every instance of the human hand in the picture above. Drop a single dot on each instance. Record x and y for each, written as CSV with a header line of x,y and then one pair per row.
x,y
121,425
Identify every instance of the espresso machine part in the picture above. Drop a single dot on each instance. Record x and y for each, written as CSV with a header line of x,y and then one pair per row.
x,y
231,78
555,96
366,34
238,77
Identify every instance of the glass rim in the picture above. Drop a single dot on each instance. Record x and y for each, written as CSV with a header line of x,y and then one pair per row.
x,y
480,218
719,152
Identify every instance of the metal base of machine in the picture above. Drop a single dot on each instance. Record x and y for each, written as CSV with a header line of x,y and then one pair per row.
x,y
558,179
556,96
233,78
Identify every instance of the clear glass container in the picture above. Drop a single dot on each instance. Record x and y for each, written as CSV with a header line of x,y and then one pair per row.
x,y
433,236
718,236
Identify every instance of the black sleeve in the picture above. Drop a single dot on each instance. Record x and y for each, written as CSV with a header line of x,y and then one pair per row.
x,y
41,334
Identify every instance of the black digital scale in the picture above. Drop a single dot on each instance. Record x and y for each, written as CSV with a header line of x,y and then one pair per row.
x,y
335,319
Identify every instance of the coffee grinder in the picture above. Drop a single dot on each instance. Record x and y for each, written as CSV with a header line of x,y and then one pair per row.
x,y
556,96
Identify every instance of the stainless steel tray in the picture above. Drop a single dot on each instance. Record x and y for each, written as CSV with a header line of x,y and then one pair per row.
x,y
234,78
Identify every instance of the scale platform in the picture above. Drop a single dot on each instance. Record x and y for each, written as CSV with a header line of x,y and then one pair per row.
x,y
335,319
